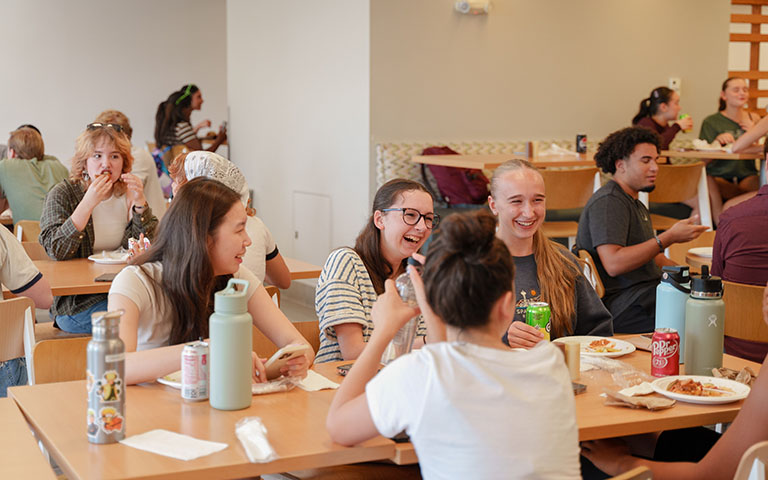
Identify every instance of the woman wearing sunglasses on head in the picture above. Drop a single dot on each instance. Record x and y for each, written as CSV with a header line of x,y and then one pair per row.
x,y
401,220
97,209
172,121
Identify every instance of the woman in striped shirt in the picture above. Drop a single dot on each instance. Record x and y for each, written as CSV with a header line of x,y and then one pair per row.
x,y
401,220
172,121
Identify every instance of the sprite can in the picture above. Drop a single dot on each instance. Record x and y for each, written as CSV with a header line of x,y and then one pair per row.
x,y
537,315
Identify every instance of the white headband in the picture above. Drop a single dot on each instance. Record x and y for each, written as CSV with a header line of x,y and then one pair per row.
x,y
211,165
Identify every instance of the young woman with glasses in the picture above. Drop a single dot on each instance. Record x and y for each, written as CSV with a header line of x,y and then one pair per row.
x,y
97,209
172,121
546,271
402,218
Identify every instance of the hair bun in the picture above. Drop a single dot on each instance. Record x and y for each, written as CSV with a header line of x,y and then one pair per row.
x,y
468,233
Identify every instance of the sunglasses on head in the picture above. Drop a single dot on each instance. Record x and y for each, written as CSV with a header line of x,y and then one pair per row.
x,y
113,126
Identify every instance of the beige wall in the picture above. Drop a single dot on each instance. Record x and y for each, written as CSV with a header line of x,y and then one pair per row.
x,y
538,69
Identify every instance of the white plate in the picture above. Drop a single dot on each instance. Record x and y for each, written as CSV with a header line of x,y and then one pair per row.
x,y
110,258
624,347
172,379
701,251
740,390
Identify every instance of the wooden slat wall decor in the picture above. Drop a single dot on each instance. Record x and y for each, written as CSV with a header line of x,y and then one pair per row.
x,y
754,38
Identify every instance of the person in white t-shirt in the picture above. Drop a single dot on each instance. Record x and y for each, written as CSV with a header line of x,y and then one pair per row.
x,y
262,256
473,407
167,295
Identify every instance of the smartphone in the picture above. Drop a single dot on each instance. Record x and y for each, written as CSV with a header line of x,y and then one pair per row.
x,y
281,357
105,277
343,369
578,388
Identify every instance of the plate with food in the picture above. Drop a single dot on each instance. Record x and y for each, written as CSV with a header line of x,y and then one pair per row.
x,y
700,389
600,346
110,258
701,251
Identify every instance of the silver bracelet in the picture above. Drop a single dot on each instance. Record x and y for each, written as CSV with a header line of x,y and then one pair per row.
x,y
658,242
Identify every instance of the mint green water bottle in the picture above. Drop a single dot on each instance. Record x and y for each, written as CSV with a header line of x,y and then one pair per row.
x,y
230,329
704,324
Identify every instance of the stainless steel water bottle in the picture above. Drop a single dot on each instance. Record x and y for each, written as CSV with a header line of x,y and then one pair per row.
x,y
671,297
105,382
231,330
704,324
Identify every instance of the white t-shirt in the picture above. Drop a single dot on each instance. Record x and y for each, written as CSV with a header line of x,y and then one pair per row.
x,y
136,283
110,217
17,272
262,244
144,167
478,412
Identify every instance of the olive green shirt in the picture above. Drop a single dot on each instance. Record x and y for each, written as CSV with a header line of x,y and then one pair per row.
x,y
25,183
711,127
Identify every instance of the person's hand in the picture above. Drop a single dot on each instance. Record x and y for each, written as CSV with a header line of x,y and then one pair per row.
x,y
296,367
685,123
99,190
259,372
609,455
725,138
222,135
203,124
522,335
134,190
390,313
139,247
686,230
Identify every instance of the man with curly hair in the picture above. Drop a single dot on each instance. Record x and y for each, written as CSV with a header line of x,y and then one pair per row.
x,y
615,228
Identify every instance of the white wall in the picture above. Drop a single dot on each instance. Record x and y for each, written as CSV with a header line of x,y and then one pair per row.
x,y
65,62
298,86
542,69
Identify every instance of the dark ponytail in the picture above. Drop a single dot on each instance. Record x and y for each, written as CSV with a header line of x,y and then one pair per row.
x,y
650,105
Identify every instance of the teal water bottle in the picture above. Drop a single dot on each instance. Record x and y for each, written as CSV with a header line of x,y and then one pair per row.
x,y
230,329
671,297
704,324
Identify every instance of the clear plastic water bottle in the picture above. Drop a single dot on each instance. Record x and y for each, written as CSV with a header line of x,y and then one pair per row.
x,y
402,343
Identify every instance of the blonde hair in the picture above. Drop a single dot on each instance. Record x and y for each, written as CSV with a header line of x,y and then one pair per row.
x,y
117,117
555,268
85,145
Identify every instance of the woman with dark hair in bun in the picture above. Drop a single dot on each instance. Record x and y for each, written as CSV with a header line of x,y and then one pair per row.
x,y
454,398
659,113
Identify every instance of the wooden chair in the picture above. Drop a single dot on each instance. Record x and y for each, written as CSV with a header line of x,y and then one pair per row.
x,y
265,348
60,360
639,473
756,457
15,315
35,251
677,251
567,189
27,230
676,184
744,312
590,271
274,293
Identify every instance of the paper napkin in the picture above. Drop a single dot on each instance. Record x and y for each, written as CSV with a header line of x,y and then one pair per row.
x,y
174,445
314,382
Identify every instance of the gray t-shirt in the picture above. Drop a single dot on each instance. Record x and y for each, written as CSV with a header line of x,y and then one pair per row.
x,y
613,217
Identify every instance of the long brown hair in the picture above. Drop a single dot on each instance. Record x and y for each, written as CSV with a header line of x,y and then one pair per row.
x,y
556,270
368,242
181,246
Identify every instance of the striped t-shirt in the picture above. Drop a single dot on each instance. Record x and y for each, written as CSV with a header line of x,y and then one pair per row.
x,y
344,294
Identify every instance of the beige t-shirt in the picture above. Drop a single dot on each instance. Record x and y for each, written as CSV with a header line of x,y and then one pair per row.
x,y
17,272
135,282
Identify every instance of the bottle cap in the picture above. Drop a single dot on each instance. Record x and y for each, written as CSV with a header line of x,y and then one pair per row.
x,y
231,300
414,262
706,285
677,276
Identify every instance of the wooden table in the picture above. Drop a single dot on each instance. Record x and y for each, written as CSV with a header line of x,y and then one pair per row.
x,y
302,270
73,277
697,261
295,421
711,155
491,161
21,456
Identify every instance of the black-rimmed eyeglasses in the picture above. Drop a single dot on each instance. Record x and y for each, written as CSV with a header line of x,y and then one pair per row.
x,y
113,126
411,216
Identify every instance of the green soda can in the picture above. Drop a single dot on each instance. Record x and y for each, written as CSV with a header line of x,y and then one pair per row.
x,y
538,315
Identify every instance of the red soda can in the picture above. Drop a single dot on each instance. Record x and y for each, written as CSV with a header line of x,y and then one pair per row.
x,y
581,143
194,371
665,352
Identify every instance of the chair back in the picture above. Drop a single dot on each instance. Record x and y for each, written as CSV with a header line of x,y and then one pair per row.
x,y
12,313
27,230
676,183
274,294
744,312
60,360
35,251
265,348
756,457
590,271
677,251
569,188
638,473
